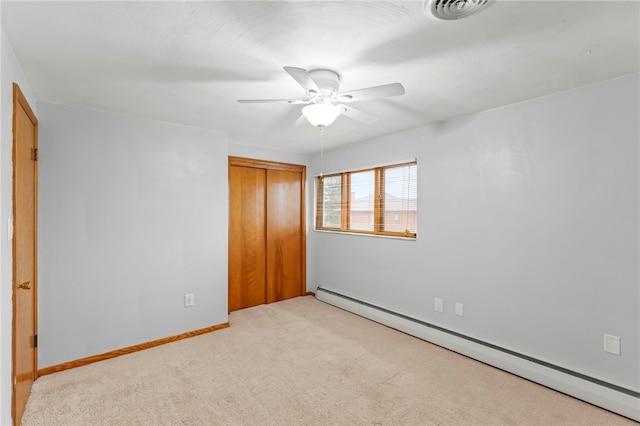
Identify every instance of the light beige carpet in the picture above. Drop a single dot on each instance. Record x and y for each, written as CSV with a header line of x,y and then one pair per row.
x,y
300,362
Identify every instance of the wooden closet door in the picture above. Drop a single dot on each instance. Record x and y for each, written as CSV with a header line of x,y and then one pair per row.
x,y
247,207
284,235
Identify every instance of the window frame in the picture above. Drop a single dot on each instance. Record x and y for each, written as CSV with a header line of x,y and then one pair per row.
x,y
345,209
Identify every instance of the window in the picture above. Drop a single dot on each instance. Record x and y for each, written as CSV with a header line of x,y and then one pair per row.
x,y
331,201
379,201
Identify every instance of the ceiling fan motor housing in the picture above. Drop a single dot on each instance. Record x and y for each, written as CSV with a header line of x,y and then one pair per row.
x,y
323,97
328,82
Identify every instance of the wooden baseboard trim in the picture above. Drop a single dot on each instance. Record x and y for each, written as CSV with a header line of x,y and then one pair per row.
x,y
128,350
310,293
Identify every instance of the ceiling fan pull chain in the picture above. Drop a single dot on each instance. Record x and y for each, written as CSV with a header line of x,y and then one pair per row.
x,y
321,150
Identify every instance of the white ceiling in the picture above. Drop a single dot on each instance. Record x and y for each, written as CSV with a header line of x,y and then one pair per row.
x,y
188,62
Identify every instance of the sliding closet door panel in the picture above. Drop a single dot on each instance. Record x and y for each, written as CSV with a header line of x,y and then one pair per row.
x,y
247,232
284,235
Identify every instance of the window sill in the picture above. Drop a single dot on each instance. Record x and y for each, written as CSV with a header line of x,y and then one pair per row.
x,y
358,234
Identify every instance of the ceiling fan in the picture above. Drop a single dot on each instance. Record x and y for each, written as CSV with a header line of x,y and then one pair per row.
x,y
324,100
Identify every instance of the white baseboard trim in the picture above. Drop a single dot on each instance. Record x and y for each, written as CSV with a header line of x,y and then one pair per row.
x,y
617,399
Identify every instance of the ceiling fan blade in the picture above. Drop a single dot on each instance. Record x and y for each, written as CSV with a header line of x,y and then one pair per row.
x,y
386,90
358,115
302,77
264,101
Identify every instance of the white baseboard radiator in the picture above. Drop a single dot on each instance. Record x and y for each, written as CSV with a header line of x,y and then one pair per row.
x,y
612,397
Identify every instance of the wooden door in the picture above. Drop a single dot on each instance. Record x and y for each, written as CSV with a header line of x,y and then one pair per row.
x,y
25,184
284,236
247,190
266,232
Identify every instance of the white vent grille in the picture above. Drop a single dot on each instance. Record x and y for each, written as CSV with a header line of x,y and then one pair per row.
x,y
454,9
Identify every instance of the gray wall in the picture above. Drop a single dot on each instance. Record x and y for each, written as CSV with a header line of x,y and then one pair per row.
x,y
527,214
133,215
10,73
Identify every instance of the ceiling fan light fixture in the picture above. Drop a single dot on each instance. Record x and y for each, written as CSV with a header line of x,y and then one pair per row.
x,y
321,115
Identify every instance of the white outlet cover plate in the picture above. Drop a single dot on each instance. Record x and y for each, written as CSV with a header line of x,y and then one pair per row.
x,y
437,304
189,299
612,344
459,309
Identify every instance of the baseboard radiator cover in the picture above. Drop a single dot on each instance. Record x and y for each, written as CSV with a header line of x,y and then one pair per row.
x,y
612,397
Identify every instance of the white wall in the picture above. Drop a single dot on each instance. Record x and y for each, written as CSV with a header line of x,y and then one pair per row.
x,y
133,215
10,73
527,214
255,152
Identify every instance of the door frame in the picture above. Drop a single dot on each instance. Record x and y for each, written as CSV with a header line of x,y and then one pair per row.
x,y
20,101
275,165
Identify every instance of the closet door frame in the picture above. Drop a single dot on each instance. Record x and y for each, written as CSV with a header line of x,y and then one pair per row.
x,y
274,165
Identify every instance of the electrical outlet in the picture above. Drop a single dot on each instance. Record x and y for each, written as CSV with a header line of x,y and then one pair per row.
x,y
459,309
437,304
612,344
189,299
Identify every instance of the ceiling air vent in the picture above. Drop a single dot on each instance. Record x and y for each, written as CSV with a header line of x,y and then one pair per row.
x,y
454,9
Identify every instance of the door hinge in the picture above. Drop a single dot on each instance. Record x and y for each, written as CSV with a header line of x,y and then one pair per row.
x,y
35,341
35,153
